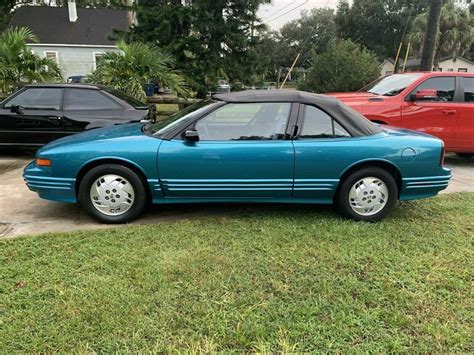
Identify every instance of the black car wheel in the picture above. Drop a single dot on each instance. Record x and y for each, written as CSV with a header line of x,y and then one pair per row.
x,y
112,193
368,194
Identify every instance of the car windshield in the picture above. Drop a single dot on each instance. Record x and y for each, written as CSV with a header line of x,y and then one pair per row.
x,y
128,99
165,125
391,85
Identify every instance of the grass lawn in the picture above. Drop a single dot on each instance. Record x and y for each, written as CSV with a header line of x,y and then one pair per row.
x,y
263,278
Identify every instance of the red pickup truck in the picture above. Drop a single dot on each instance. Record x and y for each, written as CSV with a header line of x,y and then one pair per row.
x,y
440,104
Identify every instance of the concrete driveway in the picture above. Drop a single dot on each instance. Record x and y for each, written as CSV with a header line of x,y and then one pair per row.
x,y
23,213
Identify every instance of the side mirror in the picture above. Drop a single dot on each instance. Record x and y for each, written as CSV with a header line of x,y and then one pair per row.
x,y
191,135
425,94
16,109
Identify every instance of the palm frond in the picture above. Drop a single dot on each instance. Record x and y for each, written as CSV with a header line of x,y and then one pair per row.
x,y
18,64
135,64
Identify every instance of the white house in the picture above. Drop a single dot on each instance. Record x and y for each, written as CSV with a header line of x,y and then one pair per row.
x,y
463,3
447,64
74,37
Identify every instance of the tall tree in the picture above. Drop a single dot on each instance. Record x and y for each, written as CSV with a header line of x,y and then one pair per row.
x,y
313,31
431,36
456,32
269,55
209,39
377,24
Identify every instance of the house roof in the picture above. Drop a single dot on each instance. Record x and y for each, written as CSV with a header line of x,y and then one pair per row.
x,y
52,26
356,124
416,62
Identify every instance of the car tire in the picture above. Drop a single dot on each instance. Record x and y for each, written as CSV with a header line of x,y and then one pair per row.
x,y
368,194
465,155
112,194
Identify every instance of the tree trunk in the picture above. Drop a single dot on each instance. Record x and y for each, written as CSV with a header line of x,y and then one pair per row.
x,y
130,14
431,36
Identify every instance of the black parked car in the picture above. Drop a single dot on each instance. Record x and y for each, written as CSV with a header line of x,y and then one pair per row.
x,y
38,114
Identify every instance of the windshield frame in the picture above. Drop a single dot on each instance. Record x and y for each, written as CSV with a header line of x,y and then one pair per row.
x,y
415,76
170,126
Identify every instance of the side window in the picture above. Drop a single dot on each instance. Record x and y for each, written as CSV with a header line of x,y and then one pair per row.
x,y
85,99
37,98
249,121
97,58
444,87
318,124
468,84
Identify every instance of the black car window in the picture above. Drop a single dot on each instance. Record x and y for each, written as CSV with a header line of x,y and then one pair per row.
x,y
468,84
128,99
37,98
444,86
318,124
86,99
246,121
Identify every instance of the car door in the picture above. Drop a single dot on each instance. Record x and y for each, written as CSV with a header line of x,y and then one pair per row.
x,y
32,117
436,116
86,108
242,152
464,136
322,148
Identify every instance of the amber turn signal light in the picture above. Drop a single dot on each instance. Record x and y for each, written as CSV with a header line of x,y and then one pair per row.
x,y
43,162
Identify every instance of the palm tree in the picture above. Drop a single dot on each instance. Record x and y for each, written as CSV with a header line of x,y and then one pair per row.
x,y
135,65
456,32
431,35
18,64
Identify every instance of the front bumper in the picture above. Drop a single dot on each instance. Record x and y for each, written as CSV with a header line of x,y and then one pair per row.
x,y
425,186
38,179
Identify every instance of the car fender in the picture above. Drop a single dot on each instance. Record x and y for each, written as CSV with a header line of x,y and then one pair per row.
x,y
111,158
370,161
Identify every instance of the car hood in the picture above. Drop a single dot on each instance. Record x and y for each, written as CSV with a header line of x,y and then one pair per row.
x,y
101,134
351,95
357,100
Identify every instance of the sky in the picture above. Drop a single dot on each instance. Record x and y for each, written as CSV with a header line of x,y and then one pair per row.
x,y
279,12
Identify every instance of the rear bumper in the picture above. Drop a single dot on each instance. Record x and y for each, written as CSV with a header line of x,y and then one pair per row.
x,y
424,186
50,188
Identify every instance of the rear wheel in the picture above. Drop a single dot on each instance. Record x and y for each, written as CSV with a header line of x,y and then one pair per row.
x,y
368,194
465,155
112,193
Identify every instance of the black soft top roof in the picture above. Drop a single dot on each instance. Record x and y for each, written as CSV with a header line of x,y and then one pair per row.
x,y
356,124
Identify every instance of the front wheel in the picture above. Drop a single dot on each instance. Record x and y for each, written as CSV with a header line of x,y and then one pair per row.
x,y
368,194
112,193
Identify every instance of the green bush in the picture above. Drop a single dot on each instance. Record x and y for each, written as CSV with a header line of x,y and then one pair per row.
x,y
345,66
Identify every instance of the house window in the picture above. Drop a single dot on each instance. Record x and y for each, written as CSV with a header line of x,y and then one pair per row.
x,y
97,57
450,69
53,55
462,70
388,72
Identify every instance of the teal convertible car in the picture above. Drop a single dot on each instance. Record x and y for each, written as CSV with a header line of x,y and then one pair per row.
x,y
265,146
